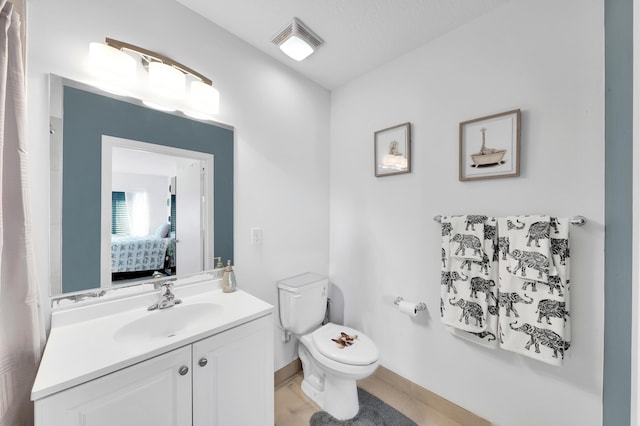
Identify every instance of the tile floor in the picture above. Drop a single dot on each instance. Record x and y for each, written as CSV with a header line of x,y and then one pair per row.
x,y
293,408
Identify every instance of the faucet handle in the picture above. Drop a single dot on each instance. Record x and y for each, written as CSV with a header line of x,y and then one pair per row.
x,y
166,283
165,289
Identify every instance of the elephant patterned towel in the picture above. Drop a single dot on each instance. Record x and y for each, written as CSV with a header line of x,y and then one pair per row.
x,y
533,286
466,236
484,282
466,287
528,258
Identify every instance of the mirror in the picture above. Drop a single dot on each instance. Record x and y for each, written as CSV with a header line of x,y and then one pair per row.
x,y
105,148
157,204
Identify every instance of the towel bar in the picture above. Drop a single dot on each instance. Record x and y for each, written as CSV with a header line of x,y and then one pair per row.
x,y
574,220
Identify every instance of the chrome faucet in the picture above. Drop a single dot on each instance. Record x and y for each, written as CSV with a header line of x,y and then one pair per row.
x,y
159,283
167,298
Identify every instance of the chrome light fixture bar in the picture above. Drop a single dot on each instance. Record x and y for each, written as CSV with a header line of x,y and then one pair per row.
x,y
297,40
148,56
166,79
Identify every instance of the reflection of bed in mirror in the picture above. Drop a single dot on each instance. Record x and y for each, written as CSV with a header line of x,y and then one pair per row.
x,y
134,257
144,194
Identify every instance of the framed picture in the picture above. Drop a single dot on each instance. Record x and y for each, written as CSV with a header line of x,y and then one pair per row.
x,y
392,150
490,146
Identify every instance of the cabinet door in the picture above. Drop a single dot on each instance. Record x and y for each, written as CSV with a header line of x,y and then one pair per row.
x,y
233,376
153,392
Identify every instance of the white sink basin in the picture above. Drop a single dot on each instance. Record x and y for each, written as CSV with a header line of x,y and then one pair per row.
x,y
167,323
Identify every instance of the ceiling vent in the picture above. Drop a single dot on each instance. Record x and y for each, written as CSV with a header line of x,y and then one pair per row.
x,y
297,40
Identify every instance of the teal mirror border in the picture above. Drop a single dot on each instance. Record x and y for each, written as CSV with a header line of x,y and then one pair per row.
x,y
88,116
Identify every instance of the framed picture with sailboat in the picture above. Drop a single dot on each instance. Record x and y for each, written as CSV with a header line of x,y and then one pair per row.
x,y
490,146
392,150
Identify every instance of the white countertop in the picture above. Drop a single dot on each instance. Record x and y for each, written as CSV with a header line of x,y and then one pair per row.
x,y
82,344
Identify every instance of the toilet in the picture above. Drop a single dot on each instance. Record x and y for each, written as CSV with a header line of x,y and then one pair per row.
x,y
330,368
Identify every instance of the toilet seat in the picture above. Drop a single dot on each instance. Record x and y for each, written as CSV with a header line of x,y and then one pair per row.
x,y
361,352
330,373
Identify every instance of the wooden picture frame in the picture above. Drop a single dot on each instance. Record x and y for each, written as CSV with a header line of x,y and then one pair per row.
x,y
392,150
490,146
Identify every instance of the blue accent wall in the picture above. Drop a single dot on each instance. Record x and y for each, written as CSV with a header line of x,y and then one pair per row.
x,y
616,404
88,116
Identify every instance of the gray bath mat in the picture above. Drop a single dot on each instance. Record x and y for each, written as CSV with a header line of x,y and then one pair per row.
x,y
373,412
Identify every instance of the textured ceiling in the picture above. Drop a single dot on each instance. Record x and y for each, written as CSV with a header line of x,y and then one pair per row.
x,y
359,35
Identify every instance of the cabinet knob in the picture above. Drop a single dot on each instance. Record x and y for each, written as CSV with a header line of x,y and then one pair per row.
x,y
202,362
183,370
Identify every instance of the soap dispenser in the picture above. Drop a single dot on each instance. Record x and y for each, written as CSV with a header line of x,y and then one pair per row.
x,y
228,279
219,264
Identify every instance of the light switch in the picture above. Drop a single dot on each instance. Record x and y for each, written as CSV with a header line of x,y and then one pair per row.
x,y
256,236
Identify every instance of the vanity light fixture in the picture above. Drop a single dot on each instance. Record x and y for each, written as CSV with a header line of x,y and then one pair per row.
x,y
204,98
297,40
115,69
166,82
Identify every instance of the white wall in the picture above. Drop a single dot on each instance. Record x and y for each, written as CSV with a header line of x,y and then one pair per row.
x,y
157,189
545,58
281,125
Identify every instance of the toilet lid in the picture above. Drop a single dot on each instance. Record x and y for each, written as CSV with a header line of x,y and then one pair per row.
x,y
361,351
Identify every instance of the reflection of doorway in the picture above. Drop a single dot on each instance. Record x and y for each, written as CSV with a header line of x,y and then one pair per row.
x,y
149,176
188,217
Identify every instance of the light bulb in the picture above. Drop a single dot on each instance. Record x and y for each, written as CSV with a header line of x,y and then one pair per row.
x,y
296,48
166,80
203,98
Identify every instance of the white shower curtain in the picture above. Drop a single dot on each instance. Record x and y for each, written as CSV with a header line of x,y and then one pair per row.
x,y
21,330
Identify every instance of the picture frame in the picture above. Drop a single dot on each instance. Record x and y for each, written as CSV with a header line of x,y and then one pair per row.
x,y
490,146
392,150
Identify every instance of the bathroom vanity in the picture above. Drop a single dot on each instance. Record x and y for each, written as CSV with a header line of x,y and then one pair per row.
x,y
205,361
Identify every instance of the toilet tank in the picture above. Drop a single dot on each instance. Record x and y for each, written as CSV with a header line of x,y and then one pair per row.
x,y
302,301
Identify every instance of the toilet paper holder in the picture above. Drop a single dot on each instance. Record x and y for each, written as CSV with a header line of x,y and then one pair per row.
x,y
419,306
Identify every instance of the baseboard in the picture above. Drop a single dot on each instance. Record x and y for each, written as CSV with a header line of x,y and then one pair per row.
x,y
287,372
417,392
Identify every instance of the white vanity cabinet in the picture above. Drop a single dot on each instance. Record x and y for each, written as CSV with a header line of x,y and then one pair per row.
x,y
224,379
233,377
152,392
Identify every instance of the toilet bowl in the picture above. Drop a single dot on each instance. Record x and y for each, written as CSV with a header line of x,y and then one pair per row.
x,y
330,369
330,372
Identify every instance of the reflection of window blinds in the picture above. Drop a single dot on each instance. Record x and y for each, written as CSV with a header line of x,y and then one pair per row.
x,y
119,214
173,213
